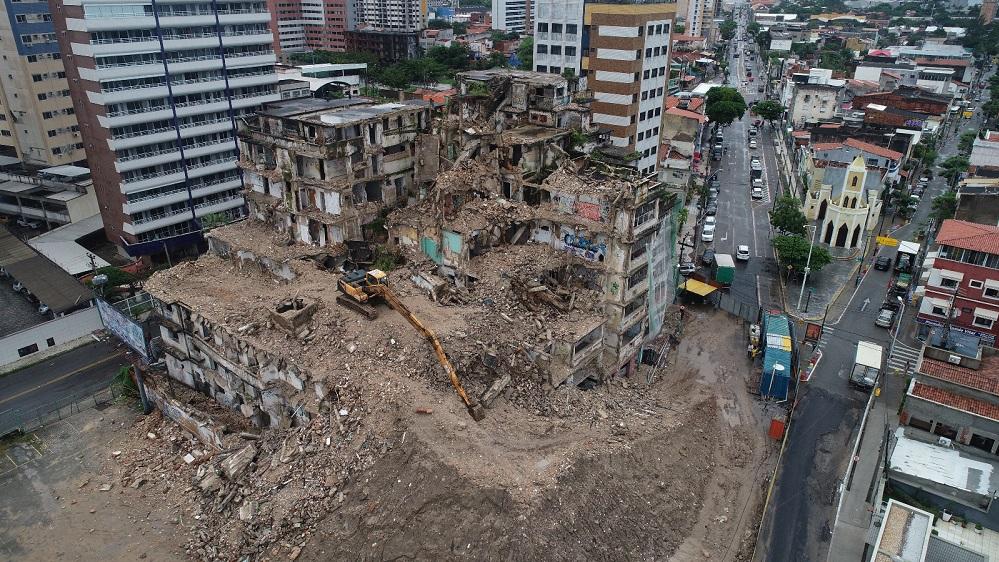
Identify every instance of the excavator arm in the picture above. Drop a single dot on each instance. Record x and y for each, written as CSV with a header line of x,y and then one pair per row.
x,y
474,408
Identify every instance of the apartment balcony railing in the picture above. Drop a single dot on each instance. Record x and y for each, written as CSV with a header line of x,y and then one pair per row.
x,y
140,155
151,218
137,111
132,87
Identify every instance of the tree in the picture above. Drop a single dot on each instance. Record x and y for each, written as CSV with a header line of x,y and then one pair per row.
x,y
793,251
944,206
724,105
438,24
525,52
116,277
787,216
953,167
967,141
769,110
459,27
679,28
728,29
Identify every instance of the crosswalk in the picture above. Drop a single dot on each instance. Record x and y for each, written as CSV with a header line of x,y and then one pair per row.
x,y
903,359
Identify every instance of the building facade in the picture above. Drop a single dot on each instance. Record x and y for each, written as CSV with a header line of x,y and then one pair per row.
x,y
161,88
700,18
960,281
38,122
845,203
322,170
988,11
514,15
621,53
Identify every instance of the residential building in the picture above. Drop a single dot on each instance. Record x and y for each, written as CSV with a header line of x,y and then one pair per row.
x,y
305,25
960,281
287,25
323,79
907,98
159,89
399,16
38,124
515,15
984,159
813,97
988,11
388,46
700,19
905,532
52,197
625,63
883,163
323,170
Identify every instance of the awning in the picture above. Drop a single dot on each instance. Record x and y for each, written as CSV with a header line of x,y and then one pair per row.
x,y
986,313
697,287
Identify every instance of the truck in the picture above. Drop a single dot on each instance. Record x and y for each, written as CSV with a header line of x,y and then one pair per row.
x,y
905,258
867,365
724,269
902,283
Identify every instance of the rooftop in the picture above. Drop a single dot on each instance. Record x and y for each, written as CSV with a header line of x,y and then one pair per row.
x,y
904,533
985,378
337,112
60,246
969,235
985,153
948,467
46,280
873,149
686,113
955,401
540,78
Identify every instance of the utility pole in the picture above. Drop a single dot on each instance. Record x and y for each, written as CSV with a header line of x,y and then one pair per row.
x,y
808,262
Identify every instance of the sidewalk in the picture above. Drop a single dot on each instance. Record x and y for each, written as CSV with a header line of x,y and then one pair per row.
x,y
859,499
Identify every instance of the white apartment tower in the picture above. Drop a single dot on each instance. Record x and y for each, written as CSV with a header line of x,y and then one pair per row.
x,y
621,54
159,87
513,15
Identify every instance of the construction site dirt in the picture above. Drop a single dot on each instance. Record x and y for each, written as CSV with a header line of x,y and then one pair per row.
x,y
626,471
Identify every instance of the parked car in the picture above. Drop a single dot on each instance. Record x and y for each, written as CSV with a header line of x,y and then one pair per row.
x,y
757,193
760,88
687,268
883,263
710,221
752,143
886,315
708,257
742,253
711,210
708,233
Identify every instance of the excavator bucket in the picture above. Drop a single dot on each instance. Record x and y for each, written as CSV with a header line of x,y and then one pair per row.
x,y
477,412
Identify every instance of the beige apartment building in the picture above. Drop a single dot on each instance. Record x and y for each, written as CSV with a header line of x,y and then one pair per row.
x,y
38,125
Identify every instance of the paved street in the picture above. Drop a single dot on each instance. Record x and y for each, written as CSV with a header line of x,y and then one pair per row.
x,y
61,376
801,517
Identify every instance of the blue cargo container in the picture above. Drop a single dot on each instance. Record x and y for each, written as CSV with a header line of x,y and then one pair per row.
x,y
777,350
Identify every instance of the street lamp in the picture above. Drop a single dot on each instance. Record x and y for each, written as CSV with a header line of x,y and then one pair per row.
x,y
898,327
808,262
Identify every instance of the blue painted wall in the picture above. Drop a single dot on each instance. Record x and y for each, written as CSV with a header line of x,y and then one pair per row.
x,y
15,8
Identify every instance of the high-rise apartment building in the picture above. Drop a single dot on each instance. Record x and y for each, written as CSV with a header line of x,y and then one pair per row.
x,y
700,20
513,15
37,119
390,15
159,88
621,54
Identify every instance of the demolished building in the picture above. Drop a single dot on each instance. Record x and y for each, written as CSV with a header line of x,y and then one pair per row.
x,y
322,170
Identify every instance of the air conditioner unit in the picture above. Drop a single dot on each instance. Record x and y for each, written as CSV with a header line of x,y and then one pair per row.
x,y
955,359
943,442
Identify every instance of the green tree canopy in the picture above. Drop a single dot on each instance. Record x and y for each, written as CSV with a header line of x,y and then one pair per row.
x,y
525,52
728,29
944,206
953,167
787,217
793,251
967,141
769,110
724,105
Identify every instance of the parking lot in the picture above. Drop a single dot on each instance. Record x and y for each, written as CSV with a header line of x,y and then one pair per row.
x,y
18,313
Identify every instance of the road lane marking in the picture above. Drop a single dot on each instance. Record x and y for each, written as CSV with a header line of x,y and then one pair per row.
x,y
63,377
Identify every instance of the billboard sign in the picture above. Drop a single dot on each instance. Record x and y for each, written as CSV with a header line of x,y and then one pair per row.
x,y
123,327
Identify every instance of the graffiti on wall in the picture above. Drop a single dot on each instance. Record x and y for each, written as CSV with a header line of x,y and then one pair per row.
x,y
586,248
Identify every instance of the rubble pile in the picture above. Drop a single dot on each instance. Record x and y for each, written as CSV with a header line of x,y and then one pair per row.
x,y
260,490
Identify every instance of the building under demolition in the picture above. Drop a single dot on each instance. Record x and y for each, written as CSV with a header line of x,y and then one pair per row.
x,y
535,262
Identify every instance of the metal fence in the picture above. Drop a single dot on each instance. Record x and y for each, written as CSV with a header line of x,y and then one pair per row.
x,y
25,420
746,311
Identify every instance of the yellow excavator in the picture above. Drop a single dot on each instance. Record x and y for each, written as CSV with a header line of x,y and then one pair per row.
x,y
361,287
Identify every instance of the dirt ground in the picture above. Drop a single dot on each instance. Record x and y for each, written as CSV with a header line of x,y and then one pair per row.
x,y
672,471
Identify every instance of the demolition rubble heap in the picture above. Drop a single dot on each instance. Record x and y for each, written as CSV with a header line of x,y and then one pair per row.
x,y
532,262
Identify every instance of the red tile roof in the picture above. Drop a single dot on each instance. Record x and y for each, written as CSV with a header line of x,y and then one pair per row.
x,y
956,401
992,136
688,38
985,378
873,149
827,145
686,113
830,125
942,62
969,235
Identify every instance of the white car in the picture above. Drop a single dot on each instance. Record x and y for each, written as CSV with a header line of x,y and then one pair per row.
x,y
755,160
742,253
708,234
757,193
710,221
752,143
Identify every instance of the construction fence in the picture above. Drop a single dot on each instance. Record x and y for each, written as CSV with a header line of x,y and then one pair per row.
x,y
749,312
25,420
